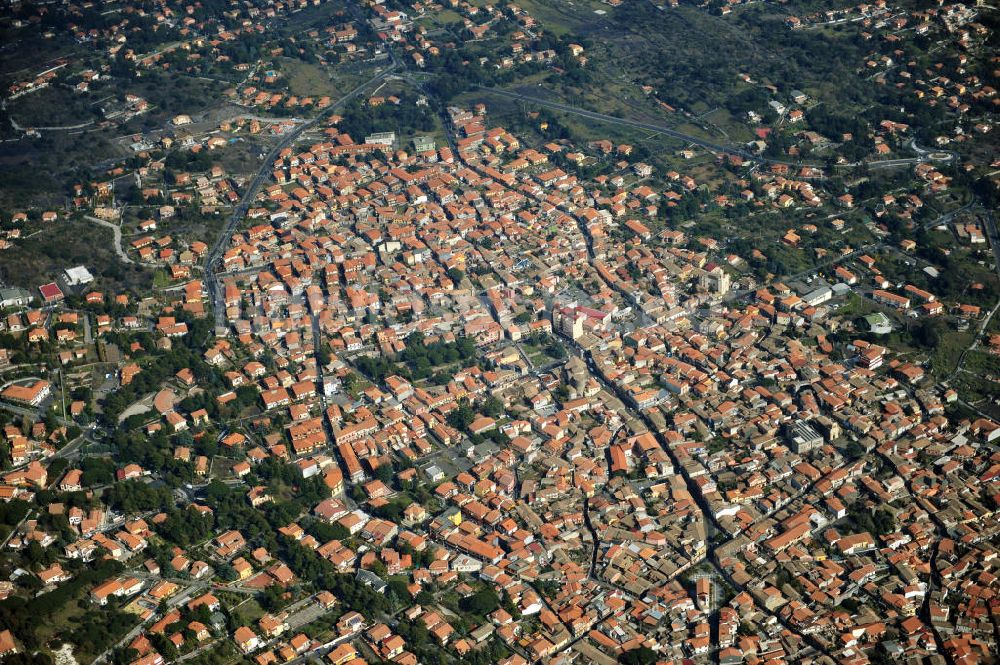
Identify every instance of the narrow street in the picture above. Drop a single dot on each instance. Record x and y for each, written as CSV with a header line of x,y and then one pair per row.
x,y
595,540
711,525
212,283
117,231
708,519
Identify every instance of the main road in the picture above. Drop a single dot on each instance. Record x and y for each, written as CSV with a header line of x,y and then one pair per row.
x,y
923,155
638,124
211,278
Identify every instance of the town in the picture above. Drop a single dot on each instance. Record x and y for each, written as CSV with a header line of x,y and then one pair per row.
x,y
368,342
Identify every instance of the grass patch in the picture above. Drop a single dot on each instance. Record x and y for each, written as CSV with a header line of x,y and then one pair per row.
x,y
855,306
307,79
67,615
975,388
248,612
945,357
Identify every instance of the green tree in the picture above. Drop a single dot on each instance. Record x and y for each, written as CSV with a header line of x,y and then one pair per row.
x,y
492,406
639,656
461,417
481,603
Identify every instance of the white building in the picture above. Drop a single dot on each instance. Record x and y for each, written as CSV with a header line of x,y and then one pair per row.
x,y
381,138
77,276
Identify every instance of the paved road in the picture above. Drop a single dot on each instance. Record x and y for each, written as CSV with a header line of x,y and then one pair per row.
x,y
4,385
923,155
19,128
667,131
119,250
306,615
13,531
71,448
908,161
936,155
595,541
191,592
211,279
20,410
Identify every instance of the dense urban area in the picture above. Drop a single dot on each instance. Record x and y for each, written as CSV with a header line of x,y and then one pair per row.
x,y
439,331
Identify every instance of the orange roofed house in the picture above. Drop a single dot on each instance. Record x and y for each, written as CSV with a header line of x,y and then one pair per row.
x,y
32,394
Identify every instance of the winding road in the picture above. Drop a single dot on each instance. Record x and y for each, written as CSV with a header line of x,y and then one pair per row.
x,y
922,155
117,230
66,128
638,124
